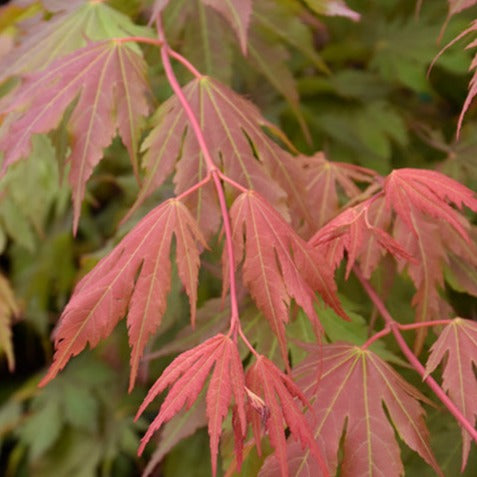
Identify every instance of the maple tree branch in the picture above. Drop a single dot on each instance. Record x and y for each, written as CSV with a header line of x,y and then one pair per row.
x,y
193,188
411,357
213,170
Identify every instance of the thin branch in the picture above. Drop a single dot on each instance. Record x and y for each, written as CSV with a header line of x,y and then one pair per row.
x,y
214,172
411,357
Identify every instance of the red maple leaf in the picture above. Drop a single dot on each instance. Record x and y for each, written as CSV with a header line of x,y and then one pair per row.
x,y
279,393
133,278
325,179
232,128
278,265
458,341
106,80
353,388
186,376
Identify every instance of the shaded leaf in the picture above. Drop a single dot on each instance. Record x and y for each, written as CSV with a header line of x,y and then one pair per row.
x,y
456,347
279,393
107,81
278,265
237,13
134,277
186,376
66,32
350,388
232,127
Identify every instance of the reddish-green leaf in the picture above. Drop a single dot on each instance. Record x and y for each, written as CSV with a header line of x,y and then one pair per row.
x,y
107,83
232,127
325,178
349,399
237,13
78,23
458,341
279,393
278,265
186,376
428,192
133,278
361,232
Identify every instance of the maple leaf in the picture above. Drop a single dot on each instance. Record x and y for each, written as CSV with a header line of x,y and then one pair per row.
x,y
106,81
232,127
428,192
186,376
458,340
323,179
359,230
416,197
456,6
81,21
265,379
236,12
135,276
278,264
353,388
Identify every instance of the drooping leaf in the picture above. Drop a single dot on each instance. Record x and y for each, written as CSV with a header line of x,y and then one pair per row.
x,y
324,177
66,32
107,81
8,308
207,42
237,13
350,388
361,232
458,344
429,192
278,266
232,127
134,277
279,393
186,376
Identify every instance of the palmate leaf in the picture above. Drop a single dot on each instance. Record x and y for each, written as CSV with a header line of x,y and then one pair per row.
x,y
278,265
458,341
361,232
133,278
66,32
325,178
279,393
354,388
186,376
232,127
236,12
106,80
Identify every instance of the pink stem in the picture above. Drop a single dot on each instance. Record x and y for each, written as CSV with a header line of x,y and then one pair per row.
x,y
423,324
385,331
213,171
196,186
139,39
429,380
